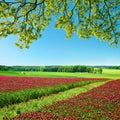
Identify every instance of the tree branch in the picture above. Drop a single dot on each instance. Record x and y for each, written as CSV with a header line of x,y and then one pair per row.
x,y
111,23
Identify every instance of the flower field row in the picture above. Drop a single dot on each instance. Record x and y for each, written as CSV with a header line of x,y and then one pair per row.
x,y
37,87
42,116
10,83
39,104
101,103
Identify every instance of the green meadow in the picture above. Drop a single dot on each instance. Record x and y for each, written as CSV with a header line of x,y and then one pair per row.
x,y
37,104
107,73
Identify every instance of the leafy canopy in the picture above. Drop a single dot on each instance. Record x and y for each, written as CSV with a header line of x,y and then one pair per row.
x,y
86,18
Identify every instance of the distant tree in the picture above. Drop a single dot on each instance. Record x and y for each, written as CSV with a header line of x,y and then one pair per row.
x,y
95,70
3,68
90,70
59,69
83,69
54,69
42,68
86,18
76,68
100,70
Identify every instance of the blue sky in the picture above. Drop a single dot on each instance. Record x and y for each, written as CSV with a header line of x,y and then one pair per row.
x,y
54,49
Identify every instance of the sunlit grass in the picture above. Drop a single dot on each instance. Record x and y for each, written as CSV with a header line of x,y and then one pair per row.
x,y
107,73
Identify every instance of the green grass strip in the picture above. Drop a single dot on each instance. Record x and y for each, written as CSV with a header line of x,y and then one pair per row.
x,y
39,104
107,73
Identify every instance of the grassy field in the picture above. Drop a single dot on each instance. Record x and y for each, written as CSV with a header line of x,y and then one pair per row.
x,y
107,73
37,104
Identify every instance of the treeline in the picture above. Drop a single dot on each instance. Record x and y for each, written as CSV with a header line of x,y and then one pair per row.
x,y
19,68
108,67
74,68
64,69
70,69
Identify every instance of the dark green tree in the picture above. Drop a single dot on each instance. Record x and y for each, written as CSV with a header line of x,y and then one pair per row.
x,y
90,70
100,70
